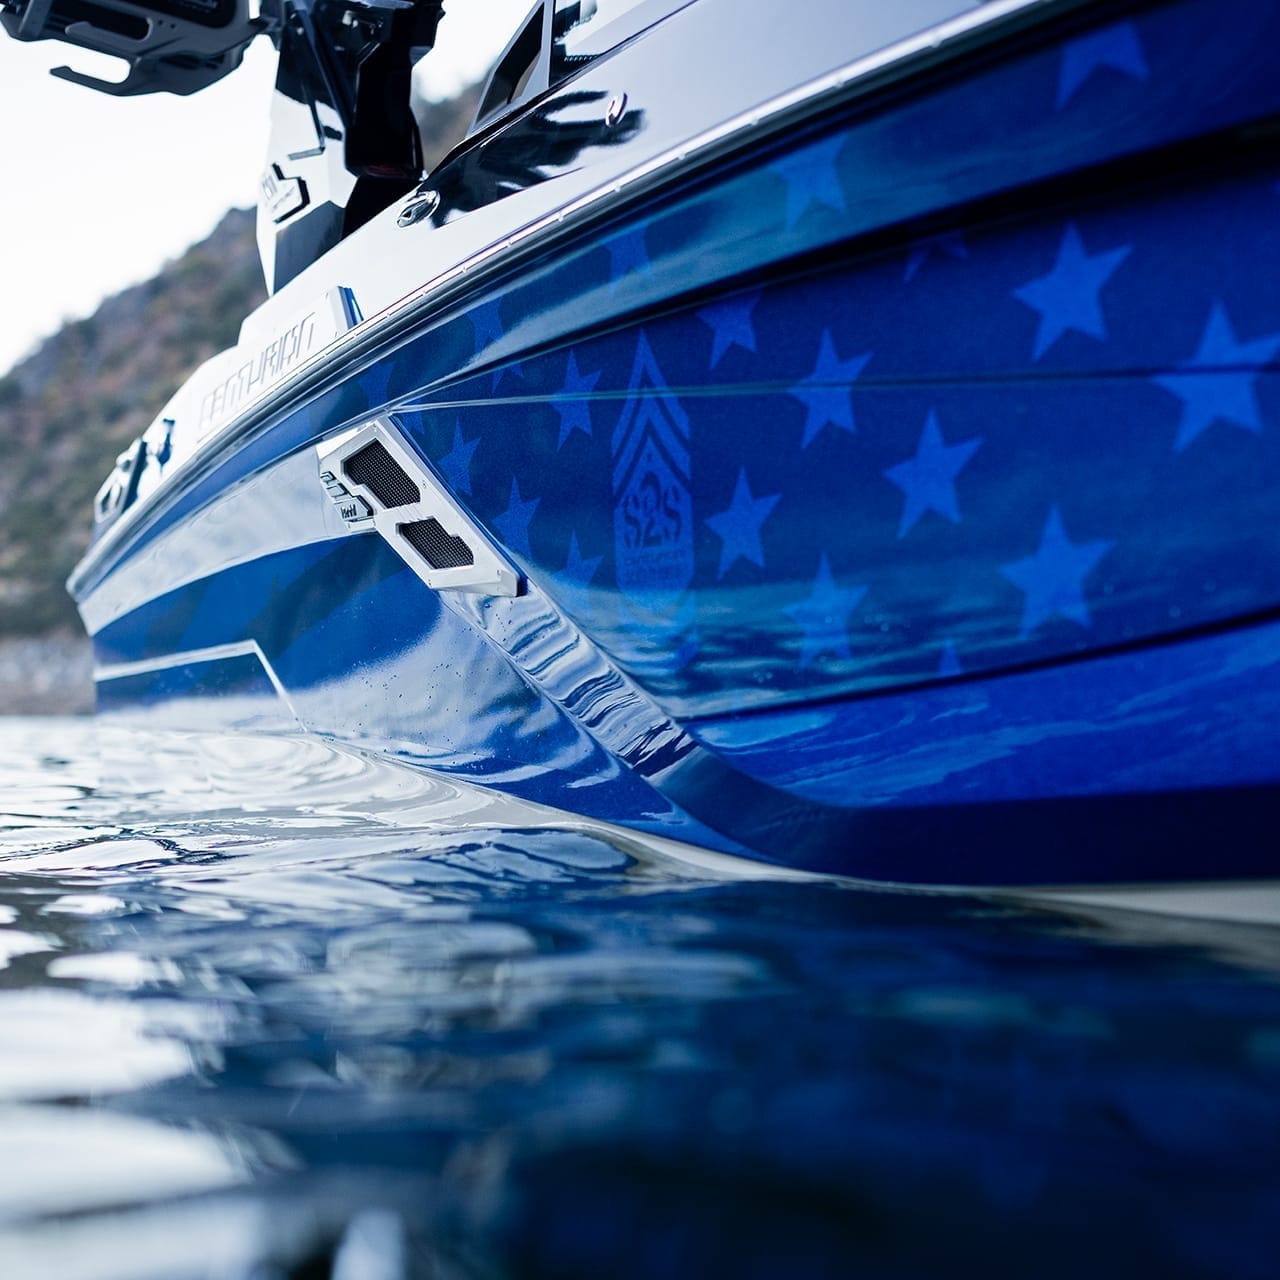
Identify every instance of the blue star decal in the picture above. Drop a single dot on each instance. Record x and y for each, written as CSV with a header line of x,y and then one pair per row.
x,y
1053,579
579,569
952,245
627,254
575,408
730,324
513,523
1068,297
813,178
825,392
455,466
824,616
1222,387
487,324
739,526
929,479
1116,47
486,320
513,370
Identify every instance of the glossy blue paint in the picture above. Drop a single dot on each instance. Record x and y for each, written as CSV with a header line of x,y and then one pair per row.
x,y
499,692
239,676
891,492
1118,768
999,514
954,144
1160,763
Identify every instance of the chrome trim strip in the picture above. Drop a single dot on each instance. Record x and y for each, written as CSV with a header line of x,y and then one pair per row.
x,y
193,657
867,72
699,149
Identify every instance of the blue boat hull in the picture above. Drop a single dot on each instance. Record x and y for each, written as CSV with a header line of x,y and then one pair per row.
x,y
893,499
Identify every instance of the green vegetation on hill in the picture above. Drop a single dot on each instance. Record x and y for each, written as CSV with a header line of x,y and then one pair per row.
x,y
90,390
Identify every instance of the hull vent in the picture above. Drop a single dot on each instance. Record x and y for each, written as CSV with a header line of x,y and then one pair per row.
x,y
440,549
375,469
377,482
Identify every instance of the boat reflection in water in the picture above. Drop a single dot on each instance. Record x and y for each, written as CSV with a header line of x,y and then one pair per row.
x,y
278,1007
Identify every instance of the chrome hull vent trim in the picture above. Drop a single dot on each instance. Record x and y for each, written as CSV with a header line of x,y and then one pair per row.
x,y
368,474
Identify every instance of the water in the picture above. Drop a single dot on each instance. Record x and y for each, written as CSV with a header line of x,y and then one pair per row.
x,y
270,1009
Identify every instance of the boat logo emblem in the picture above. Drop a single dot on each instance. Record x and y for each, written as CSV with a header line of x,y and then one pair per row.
x,y
653,507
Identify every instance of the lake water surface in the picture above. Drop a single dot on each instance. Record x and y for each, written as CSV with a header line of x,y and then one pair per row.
x,y
274,1009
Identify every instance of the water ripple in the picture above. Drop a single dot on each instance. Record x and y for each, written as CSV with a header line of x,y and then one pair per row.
x,y
270,1008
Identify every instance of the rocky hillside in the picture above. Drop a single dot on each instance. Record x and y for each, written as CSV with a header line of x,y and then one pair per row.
x,y
81,398
65,413
69,409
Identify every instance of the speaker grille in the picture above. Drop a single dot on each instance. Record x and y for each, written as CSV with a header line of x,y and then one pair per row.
x,y
439,548
375,469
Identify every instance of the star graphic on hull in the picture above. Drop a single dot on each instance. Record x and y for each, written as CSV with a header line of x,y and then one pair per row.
x,y
739,526
813,178
1068,297
575,406
1116,47
1052,580
487,323
730,325
455,466
929,479
627,255
513,523
579,569
952,245
825,393
824,616
486,320
513,370
1219,382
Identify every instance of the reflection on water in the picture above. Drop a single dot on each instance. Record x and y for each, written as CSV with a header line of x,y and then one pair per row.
x,y
271,1009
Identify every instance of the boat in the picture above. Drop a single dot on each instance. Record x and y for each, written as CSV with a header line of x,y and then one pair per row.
x,y
845,437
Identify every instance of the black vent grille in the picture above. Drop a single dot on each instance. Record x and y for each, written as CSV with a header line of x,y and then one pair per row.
x,y
375,469
440,549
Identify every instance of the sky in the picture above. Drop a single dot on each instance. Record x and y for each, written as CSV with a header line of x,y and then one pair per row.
x,y
97,192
